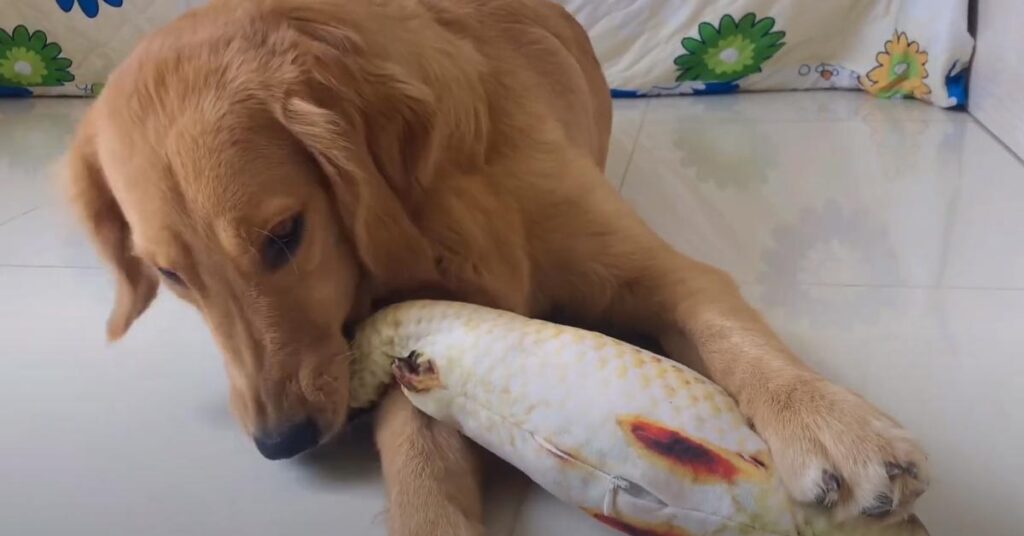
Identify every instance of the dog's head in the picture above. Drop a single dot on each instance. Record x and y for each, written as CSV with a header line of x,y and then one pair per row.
x,y
261,165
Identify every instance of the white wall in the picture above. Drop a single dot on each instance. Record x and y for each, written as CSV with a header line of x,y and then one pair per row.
x,y
997,78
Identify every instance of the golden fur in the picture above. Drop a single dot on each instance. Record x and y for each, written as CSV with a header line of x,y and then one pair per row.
x,y
447,148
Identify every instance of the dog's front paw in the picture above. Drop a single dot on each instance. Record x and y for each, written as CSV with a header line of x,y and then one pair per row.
x,y
834,449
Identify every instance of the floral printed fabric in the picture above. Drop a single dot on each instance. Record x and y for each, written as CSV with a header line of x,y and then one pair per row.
x,y
901,70
90,8
69,47
729,51
28,59
891,48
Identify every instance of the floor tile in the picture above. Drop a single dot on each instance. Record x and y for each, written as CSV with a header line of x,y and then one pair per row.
x,y
788,106
145,422
986,248
33,135
827,202
944,362
46,236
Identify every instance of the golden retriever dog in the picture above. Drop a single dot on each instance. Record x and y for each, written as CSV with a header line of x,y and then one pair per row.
x,y
287,166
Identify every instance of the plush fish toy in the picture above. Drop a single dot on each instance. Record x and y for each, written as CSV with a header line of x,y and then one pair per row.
x,y
639,442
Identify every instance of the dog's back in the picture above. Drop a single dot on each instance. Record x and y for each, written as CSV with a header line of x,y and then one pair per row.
x,y
540,40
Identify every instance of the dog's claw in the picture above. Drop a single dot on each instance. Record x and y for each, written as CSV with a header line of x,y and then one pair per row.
x,y
828,495
881,507
893,470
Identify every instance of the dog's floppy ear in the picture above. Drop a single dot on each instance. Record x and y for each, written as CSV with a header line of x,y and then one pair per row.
x,y
390,247
372,131
88,192
404,141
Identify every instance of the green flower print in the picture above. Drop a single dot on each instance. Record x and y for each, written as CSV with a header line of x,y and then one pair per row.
x,y
27,59
730,51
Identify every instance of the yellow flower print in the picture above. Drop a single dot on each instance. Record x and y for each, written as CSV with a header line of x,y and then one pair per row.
x,y
900,71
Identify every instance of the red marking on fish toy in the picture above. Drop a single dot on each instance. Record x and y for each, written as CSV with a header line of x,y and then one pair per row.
x,y
699,460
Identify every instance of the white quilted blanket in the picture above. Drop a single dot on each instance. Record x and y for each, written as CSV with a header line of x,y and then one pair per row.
x,y
891,48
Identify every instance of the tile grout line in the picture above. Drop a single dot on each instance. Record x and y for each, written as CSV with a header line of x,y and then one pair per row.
x,y
16,216
1018,157
632,149
698,119
953,207
50,266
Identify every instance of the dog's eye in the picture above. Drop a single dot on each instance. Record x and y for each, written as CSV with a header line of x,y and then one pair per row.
x,y
282,241
171,276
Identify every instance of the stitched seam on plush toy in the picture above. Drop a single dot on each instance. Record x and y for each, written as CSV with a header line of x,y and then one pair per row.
x,y
477,403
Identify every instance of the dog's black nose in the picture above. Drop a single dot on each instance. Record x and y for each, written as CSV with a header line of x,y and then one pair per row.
x,y
293,440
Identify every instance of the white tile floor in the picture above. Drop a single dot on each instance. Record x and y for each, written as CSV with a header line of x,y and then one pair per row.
x,y
882,239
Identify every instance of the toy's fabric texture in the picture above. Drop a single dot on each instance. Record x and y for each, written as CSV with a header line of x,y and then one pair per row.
x,y
890,48
641,443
